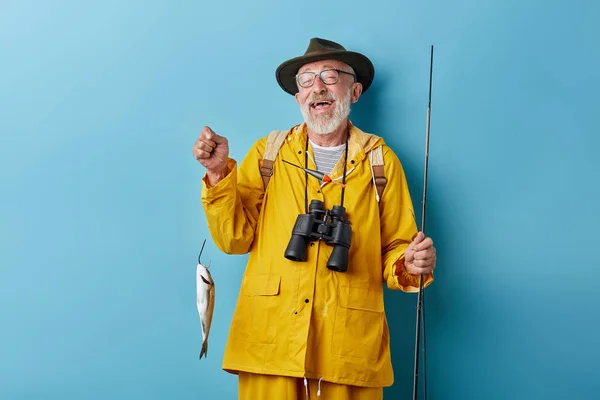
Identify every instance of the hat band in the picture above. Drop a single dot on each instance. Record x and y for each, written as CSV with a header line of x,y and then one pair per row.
x,y
317,52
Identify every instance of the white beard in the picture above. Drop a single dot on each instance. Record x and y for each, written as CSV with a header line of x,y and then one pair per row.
x,y
326,123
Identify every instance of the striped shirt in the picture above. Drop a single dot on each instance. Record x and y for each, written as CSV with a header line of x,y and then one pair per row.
x,y
327,157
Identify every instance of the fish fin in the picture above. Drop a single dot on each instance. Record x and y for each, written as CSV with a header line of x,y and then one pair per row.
x,y
204,351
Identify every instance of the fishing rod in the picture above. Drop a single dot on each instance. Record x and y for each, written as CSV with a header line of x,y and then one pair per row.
x,y
201,250
421,295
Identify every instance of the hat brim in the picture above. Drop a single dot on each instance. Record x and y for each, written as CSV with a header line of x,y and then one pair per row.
x,y
286,72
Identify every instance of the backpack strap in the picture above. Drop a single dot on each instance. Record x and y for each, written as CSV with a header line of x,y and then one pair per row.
x,y
274,143
379,179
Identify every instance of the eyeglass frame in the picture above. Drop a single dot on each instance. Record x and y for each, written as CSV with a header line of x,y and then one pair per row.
x,y
321,78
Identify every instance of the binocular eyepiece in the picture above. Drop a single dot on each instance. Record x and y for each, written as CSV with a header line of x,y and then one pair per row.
x,y
321,224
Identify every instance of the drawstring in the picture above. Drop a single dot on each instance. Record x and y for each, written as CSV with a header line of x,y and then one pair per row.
x,y
306,388
319,389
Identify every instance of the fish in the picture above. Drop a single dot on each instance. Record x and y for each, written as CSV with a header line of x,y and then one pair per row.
x,y
205,300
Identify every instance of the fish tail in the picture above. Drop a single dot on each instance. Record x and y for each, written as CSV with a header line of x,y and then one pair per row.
x,y
204,351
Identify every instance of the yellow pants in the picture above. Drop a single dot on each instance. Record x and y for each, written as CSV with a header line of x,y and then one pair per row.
x,y
266,387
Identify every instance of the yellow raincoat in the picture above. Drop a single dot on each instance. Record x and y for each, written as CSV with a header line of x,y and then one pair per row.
x,y
300,318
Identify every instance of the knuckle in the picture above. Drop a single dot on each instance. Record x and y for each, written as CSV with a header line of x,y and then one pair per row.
x,y
208,146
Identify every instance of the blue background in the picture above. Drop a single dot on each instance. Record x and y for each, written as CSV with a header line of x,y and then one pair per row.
x,y
100,213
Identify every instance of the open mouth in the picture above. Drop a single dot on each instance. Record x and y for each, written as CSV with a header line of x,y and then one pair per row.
x,y
321,104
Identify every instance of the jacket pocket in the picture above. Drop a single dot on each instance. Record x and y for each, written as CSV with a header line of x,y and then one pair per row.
x,y
359,328
257,312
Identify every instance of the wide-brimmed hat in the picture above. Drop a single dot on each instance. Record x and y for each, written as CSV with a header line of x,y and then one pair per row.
x,y
322,49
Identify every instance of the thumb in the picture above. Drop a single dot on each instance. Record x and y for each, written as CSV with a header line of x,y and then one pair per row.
x,y
217,138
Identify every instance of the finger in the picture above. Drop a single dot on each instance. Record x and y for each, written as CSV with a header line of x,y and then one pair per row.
x,y
419,238
425,254
419,255
414,270
409,253
218,139
201,154
424,244
423,264
208,133
204,133
206,145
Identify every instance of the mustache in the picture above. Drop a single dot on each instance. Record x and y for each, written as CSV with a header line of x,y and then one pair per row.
x,y
321,96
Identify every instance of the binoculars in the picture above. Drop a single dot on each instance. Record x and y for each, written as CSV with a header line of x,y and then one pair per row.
x,y
322,224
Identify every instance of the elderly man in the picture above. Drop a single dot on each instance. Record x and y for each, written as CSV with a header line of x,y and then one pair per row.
x,y
310,318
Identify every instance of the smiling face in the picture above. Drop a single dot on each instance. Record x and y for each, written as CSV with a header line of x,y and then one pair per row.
x,y
323,106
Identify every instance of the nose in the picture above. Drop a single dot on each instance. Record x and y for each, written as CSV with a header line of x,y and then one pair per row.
x,y
319,86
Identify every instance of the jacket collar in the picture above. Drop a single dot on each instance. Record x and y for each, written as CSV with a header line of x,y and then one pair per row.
x,y
358,145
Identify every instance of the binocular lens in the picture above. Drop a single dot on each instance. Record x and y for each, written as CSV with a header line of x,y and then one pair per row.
x,y
338,260
296,249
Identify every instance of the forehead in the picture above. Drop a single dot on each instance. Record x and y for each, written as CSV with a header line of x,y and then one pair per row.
x,y
321,65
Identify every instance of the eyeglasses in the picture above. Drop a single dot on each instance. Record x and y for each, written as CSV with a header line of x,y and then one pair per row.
x,y
328,77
